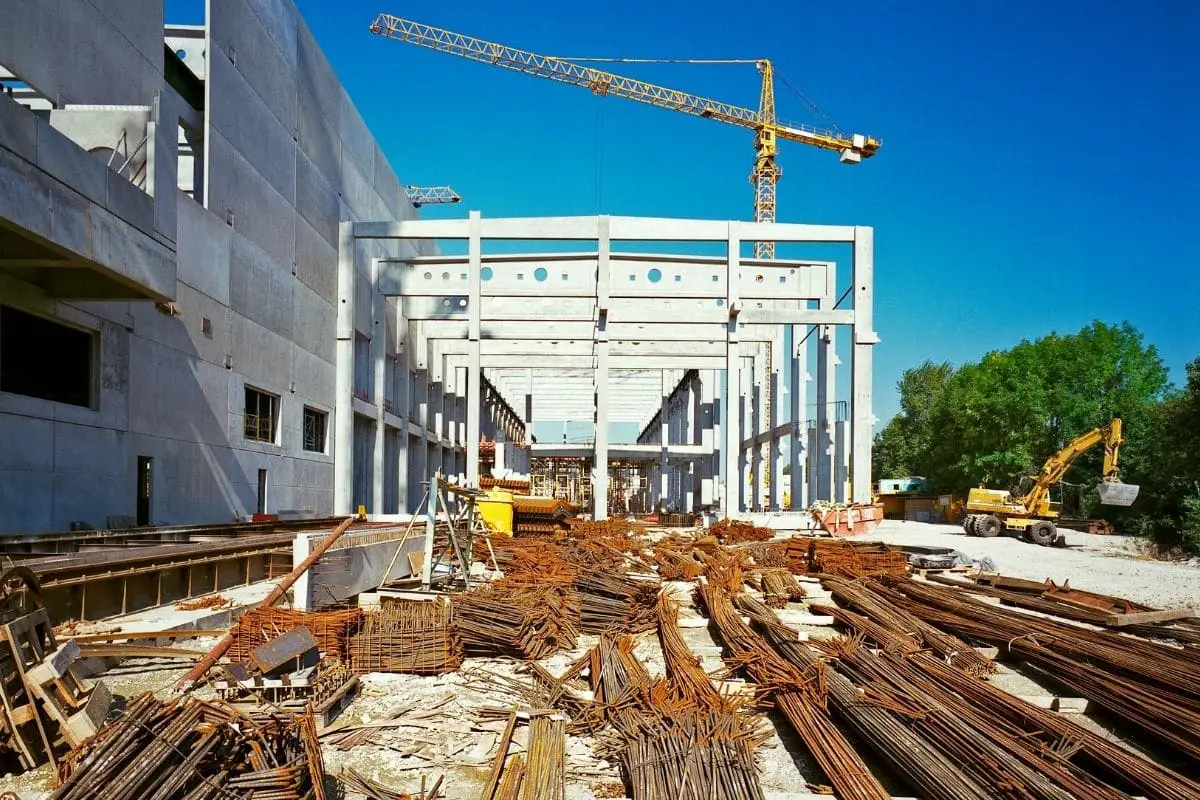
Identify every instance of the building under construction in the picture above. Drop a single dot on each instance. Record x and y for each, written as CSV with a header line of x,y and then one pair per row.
x,y
246,314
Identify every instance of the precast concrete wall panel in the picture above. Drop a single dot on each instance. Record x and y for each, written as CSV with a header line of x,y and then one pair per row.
x,y
250,50
260,288
314,317
71,51
248,124
316,261
316,199
204,258
259,212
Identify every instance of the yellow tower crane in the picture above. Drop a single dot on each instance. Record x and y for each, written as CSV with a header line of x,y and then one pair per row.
x,y
768,129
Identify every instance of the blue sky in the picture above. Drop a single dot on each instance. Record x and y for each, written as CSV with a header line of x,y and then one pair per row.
x,y
1038,171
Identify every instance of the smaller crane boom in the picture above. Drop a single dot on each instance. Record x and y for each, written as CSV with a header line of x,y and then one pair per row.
x,y
430,195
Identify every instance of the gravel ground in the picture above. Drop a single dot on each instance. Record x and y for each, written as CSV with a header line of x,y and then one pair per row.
x,y
1109,564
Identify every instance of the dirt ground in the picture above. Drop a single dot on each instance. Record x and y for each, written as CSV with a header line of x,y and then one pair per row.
x,y
1109,564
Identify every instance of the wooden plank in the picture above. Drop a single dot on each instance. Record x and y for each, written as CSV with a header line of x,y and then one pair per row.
x,y
1146,617
84,723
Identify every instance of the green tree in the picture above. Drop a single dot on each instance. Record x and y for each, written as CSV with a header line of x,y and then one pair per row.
x,y
1167,466
993,421
902,447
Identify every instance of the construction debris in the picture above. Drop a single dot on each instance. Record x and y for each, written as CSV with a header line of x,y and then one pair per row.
x,y
332,629
413,636
730,531
193,749
521,622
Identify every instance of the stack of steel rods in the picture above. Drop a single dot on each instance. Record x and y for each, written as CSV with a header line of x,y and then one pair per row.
x,y
841,557
687,680
799,696
260,625
529,623
1056,733
414,636
779,587
1150,686
881,727
729,531
766,555
993,754
676,566
609,601
870,600
189,748
545,770
669,746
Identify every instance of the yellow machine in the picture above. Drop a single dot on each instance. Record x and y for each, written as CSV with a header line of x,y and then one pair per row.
x,y
989,511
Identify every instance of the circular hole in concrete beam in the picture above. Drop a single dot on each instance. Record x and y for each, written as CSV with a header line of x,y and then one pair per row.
x,y
540,274
485,273
654,275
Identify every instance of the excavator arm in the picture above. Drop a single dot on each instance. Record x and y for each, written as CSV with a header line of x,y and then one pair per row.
x,y
1112,491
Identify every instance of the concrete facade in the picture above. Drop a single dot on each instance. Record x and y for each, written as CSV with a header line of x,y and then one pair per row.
x,y
176,194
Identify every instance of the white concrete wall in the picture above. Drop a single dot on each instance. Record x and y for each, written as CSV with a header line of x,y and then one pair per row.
x,y
288,158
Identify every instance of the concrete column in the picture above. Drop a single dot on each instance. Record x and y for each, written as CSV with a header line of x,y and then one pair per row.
x,y
437,393
378,353
758,464
730,504
343,403
691,478
798,385
862,413
775,458
826,383
600,451
401,401
474,371
708,422
745,430
421,461
664,439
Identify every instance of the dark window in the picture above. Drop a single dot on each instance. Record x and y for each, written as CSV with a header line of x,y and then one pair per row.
x,y
41,358
314,430
262,416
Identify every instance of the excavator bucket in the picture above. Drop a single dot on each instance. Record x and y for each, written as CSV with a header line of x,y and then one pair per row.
x,y
1114,493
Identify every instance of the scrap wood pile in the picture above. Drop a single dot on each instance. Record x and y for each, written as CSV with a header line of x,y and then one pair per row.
x,y
189,748
527,622
258,626
374,790
731,531
412,636
843,557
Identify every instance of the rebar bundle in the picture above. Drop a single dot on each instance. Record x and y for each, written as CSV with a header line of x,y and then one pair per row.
x,y
881,727
413,636
545,770
779,587
731,531
1150,686
993,755
767,555
799,695
189,748
608,601
520,622
258,626
880,606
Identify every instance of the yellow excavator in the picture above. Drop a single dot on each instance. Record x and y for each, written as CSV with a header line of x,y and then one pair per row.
x,y
990,511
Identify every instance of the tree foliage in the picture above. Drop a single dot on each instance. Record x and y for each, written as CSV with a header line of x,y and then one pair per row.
x,y
993,421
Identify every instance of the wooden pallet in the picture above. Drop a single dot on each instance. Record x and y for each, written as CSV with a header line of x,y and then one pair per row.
x,y
960,570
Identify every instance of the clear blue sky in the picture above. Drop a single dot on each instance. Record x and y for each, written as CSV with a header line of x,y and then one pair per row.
x,y
1039,166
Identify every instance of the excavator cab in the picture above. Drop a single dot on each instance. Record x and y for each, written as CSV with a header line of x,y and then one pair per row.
x,y
1115,493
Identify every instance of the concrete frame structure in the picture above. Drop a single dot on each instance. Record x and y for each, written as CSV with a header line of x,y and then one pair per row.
x,y
609,309
206,203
